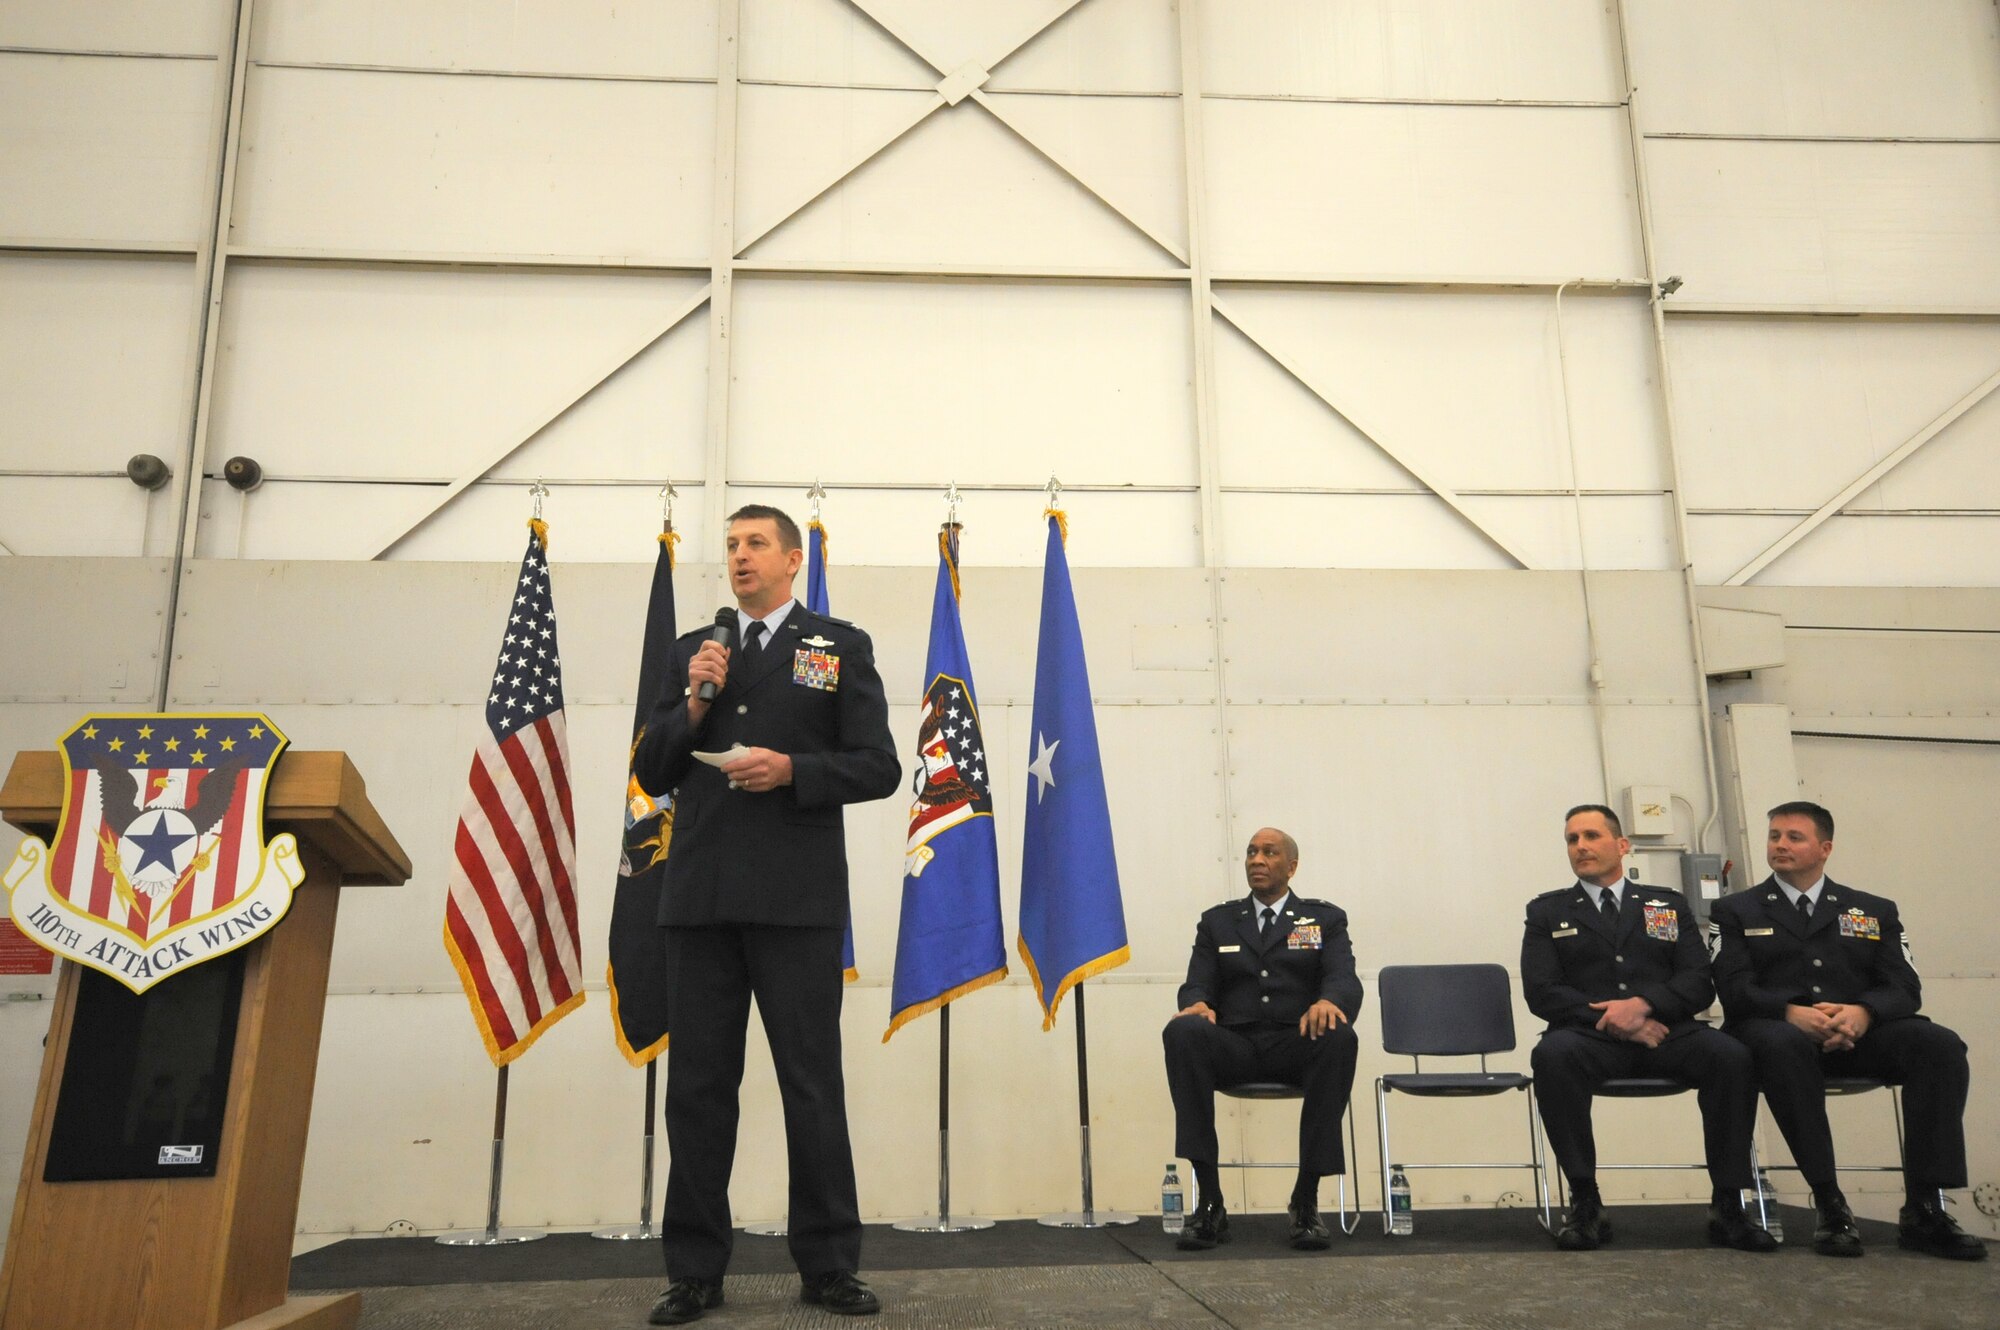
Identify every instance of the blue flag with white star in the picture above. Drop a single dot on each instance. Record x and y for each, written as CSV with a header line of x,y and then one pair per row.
x,y
949,940
1072,916
816,602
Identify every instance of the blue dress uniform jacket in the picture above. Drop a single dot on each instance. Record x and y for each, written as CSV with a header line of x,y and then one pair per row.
x,y
753,903
1247,978
1572,956
1852,950
777,857
1259,986
1768,958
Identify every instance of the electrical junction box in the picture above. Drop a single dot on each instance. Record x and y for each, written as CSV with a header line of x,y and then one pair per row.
x,y
1648,810
1701,879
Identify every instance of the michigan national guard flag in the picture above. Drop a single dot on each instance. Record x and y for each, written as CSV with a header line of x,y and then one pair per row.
x,y
816,602
949,941
1072,917
510,916
637,968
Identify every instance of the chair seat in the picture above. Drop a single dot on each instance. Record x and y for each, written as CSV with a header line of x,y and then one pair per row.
x,y
1854,1084
1442,1083
1641,1087
1264,1090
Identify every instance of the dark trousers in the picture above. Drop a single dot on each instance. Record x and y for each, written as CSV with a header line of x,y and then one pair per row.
x,y
795,975
1203,1057
1569,1065
1925,1058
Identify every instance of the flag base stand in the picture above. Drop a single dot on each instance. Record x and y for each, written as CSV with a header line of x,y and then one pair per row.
x,y
631,1233
491,1237
942,1224
1090,1216
1087,1219
770,1228
644,1229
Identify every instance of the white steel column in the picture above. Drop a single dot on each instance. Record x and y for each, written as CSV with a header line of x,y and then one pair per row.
x,y
1207,446
1683,549
722,274
211,262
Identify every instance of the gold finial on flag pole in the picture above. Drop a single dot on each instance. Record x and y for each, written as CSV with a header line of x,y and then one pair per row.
x,y
814,495
951,500
667,496
539,491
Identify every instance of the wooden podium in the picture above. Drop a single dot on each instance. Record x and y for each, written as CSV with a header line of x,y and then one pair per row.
x,y
211,1252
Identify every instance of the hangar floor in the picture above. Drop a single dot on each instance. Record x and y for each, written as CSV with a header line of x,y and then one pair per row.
x,y
1463,1270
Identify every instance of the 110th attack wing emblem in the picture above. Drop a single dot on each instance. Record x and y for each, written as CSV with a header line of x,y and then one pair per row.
x,y
159,860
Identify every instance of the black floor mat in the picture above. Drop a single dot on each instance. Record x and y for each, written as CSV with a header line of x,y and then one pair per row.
x,y
404,1262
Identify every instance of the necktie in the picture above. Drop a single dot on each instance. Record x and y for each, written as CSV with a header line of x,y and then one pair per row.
x,y
1608,904
1269,917
753,645
1805,908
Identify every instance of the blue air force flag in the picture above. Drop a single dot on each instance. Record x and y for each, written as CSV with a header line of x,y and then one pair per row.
x,y
1072,917
949,940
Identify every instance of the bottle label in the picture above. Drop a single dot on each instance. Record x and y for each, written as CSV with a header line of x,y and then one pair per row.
x,y
1172,1203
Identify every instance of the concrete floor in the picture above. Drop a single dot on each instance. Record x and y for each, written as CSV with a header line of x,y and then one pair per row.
x,y
1653,1290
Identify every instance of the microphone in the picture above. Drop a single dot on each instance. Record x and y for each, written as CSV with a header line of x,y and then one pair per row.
x,y
723,635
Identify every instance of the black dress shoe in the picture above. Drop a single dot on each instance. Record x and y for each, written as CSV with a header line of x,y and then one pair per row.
x,y
1834,1233
1309,1232
1927,1228
685,1300
1728,1226
1586,1228
840,1293
1207,1227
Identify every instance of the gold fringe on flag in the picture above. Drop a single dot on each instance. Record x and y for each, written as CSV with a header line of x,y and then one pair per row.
x,y
541,530
1062,522
950,557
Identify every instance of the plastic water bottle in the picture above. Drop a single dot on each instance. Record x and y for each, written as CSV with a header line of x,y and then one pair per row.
x,y
1401,1222
1173,1200
1769,1196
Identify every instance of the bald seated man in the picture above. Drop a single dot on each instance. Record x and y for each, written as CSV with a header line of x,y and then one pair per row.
x,y
1271,995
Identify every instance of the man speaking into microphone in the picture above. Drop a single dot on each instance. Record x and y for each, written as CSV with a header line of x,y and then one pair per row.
x,y
763,742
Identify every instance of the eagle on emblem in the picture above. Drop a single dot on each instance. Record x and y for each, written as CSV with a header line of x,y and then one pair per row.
x,y
173,826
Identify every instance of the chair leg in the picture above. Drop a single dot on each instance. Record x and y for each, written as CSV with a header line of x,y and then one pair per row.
x,y
1382,1145
1349,1223
1540,1159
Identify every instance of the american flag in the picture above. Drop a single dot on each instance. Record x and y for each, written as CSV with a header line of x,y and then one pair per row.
x,y
510,921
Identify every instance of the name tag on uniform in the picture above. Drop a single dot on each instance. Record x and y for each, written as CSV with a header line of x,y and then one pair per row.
x,y
1563,932
816,669
1663,922
1758,932
1231,947
1855,924
1305,937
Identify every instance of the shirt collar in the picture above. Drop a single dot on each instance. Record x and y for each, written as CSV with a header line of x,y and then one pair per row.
x,y
1792,893
771,622
1258,907
1596,893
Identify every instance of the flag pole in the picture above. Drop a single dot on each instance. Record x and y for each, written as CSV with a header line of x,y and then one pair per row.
x,y
644,1228
1090,1216
944,1221
494,1235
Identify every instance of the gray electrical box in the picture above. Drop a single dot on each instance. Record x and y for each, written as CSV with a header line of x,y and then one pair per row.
x,y
1701,880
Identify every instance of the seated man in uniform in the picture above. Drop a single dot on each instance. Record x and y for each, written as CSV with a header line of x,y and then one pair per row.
x,y
1816,980
1271,995
1618,971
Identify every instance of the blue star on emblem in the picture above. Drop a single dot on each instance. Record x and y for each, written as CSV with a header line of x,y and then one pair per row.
x,y
158,845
